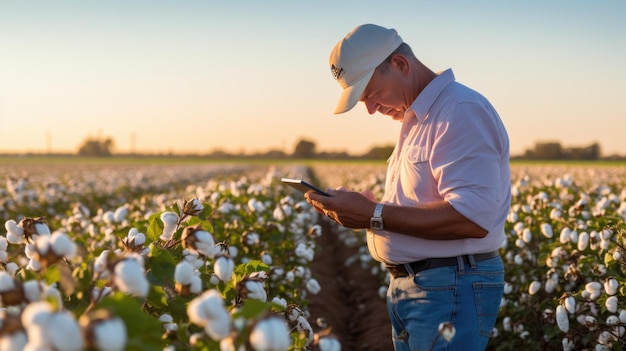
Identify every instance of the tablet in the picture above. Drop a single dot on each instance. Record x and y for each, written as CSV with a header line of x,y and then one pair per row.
x,y
302,186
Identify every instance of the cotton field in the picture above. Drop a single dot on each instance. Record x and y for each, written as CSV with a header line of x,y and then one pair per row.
x,y
219,257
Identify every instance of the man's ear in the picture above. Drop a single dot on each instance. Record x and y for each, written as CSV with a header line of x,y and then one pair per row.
x,y
399,61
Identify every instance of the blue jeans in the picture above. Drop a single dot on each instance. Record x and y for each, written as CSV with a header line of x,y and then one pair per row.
x,y
466,297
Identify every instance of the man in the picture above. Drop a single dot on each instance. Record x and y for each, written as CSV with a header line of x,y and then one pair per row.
x,y
440,223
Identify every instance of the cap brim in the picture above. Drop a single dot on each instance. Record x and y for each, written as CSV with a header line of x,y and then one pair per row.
x,y
351,95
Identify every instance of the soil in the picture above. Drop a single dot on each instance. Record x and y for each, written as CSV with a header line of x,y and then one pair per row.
x,y
349,300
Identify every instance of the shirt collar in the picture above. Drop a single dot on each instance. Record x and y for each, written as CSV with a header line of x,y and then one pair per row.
x,y
431,92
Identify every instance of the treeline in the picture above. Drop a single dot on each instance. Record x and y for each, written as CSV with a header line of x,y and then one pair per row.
x,y
556,151
307,149
304,149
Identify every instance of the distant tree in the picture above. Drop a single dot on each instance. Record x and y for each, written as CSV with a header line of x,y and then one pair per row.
x,y
93,147
379,152
591,152
554,151
304,149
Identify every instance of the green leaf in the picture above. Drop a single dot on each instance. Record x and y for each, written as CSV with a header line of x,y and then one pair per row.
x,y
162,266
253,308
52,274
155,227
156,297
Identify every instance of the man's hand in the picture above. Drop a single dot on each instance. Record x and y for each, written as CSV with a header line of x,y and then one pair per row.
x,y
351,209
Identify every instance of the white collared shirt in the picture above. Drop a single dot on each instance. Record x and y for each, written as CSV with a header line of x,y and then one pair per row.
x,y
453,146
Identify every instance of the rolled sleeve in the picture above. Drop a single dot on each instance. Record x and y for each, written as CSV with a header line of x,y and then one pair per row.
x,y
466,159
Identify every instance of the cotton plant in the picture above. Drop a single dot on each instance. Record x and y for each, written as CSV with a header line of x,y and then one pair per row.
x,y
104,331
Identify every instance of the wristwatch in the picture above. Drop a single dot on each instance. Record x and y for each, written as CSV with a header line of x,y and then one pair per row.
x,y
376,222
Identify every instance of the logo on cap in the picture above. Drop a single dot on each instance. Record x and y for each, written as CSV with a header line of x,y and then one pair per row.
x,y
336,71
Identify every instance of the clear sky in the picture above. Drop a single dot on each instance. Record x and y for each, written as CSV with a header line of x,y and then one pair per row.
x,y
243,76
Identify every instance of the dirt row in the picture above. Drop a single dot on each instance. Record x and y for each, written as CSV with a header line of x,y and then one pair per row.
x,y
349,300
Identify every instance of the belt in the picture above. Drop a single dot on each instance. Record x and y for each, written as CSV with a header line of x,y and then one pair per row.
x,y
418,266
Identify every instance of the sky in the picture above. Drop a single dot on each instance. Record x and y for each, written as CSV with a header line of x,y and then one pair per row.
x,y
252,76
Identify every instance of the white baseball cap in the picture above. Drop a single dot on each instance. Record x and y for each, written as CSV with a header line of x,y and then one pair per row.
x,y
354,59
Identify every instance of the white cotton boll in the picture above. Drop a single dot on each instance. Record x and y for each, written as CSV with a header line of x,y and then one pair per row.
x,y
564,237
570,304
508,288
4,243
527,235
101,262
169,218
255,205
33,265
622,316
108,217
520,243
270,334
611,304
518,259
506,324
36,313
267,259
15,233
11,268
218,327
513,217
14,342
6,282
573,237
313,286
205,243
32,290
42,229
204,307
290,276
303,251
546,230
183,272
612,320
604,245
137,237
382,291
583,241
130,278
280,301
618,255
278,214
256,290
214,279
195,285
567,344
120,214
534,287
329,343
518,227
562,320
610,286
555,214
62,245
593,287
224,267
110,335
64,332
550,286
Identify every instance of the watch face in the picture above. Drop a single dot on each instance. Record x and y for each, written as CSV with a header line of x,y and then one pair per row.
x,y
376,223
